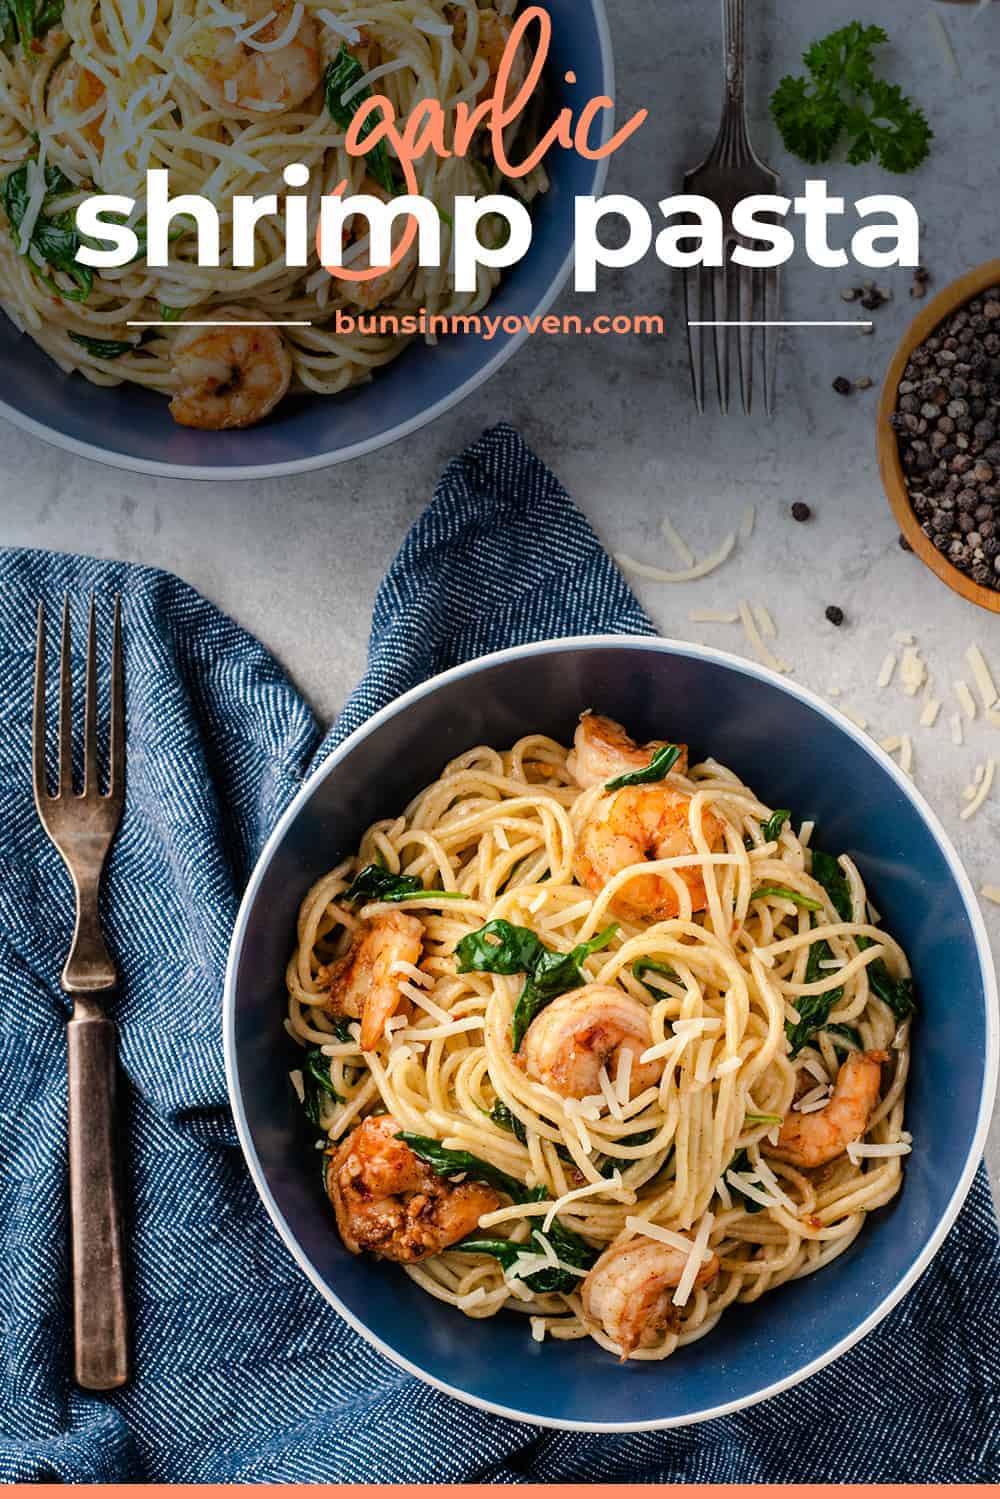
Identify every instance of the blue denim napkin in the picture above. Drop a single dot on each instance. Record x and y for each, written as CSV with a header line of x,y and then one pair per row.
x,y
243,1373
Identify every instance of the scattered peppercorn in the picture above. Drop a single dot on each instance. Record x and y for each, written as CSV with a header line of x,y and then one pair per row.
x,y
947,424
835,615
904,543
842,386
800,510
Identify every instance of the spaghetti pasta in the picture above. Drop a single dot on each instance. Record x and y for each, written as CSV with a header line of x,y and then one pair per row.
x,y
667,1138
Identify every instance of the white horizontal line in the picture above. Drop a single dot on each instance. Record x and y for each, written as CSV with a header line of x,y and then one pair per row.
x,y
839,323
182,323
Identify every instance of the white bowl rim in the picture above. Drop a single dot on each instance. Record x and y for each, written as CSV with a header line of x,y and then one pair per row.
x,y
654,643
374,444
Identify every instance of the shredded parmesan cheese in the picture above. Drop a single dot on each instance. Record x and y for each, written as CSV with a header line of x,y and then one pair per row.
x,y
956,728
661,1235
982,791
906,754
856,718
912,671
992,893
928,717
858,1152
671,535
886,671
699,1252
981,672
700,569
713,617
966,701
903,637
765,623
298,1083
746,523
623,1074
757,645
610,1184
537,1325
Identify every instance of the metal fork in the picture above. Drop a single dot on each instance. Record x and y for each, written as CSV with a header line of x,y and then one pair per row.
x,y
731,171
82,826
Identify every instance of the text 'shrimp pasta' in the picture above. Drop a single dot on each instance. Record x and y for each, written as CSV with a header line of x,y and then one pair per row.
x,y
693,233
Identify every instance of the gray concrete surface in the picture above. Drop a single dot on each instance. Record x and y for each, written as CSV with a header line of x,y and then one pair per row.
x,y
298,561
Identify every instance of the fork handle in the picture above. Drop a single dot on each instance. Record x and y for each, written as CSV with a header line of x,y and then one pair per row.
x,y
733,49
100,1343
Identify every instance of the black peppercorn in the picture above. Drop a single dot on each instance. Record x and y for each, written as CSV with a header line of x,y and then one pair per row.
x,y
800,510
904,543
835,615
843,388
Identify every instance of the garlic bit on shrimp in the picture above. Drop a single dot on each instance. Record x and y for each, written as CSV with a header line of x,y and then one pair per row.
x,y
389,1202
815,1139
603,750
362,985
238,70
231,376
629,1292
582,1031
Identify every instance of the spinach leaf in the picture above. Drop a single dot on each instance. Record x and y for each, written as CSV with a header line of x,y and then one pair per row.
x,y
786,893
54,239
171,314
316,1081
506,1119
663,761
375,883
342,1030
341,75
741,1163
770,830
29,19
103,348
501,947
652,965
569,1247
896,993
450,1163
828,873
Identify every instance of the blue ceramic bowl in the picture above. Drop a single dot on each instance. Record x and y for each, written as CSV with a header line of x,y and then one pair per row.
x,y
797,752
132,428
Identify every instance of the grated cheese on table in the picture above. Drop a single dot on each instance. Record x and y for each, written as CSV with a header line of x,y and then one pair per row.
x,y
992,893
966,701
760,650
956,729
671,535
982,791
981,672
931,709
688,575
713,617
887,668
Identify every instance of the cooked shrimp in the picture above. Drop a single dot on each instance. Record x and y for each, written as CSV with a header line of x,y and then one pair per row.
x,y
76,94
388,1201
814,1139
603,750
228,377
362,984
579,1033
371,294
628,1291
235,73
632,826
491,43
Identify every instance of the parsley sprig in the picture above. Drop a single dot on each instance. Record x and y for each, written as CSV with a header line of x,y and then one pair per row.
x,y
842,98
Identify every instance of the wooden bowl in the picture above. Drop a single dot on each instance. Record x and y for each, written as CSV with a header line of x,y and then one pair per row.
x,y
930,316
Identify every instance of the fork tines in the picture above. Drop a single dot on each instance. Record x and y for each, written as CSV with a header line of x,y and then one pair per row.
x,y
91,792
741,295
